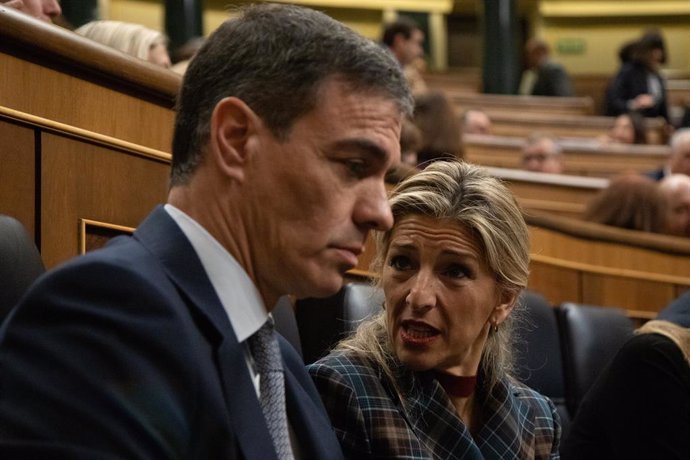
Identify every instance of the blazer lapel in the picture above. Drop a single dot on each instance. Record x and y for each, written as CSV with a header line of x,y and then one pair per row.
x,y
163,237
436,424
509,432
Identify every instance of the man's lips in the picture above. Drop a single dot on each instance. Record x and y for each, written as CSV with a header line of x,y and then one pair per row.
x,y
349,253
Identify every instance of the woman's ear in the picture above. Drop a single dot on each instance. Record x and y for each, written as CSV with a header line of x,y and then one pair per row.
x,y
233,123
506,303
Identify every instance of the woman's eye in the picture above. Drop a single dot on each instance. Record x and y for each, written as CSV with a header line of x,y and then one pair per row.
x,y
399,262
457,271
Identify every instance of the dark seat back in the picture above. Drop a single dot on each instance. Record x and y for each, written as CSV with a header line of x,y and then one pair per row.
x,y
20,263
590,336
323,322
538,352
286,322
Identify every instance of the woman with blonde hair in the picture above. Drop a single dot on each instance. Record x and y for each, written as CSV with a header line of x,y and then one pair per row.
x,y
133,39
431,376
639,407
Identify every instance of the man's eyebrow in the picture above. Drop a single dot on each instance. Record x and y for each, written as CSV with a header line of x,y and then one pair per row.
x,y
364,146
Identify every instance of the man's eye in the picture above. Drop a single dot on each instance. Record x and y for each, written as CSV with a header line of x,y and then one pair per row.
x,y
399,262
356,167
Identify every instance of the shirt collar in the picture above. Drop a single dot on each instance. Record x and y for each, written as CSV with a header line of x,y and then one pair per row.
x,y
237,293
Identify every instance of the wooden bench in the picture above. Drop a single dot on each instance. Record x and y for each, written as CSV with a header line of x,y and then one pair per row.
x,y
522,125
553,193
580,158
494,104
85,133
583,262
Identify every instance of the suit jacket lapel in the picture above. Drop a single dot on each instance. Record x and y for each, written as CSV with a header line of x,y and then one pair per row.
x,y
163,237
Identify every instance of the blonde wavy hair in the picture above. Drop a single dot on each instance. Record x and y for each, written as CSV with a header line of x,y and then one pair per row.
x,y
133,39
468,196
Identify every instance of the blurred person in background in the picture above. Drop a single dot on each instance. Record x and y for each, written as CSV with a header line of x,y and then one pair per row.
x,y
476,122
542,76
45,10
639,86
133,39
405,40
541,153
628,128
631,201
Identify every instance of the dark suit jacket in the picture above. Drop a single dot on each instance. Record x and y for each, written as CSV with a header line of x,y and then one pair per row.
x,y
656,175
371,422
631,81
638,408
552,80
127,353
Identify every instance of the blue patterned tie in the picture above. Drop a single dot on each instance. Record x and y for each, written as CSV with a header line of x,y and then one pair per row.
x,y
269,365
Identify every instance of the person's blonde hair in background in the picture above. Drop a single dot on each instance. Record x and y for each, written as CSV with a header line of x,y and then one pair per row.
x,y
45,10
133,39
542,153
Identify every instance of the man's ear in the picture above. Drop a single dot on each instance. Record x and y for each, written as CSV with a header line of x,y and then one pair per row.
x,y
232,124
506,303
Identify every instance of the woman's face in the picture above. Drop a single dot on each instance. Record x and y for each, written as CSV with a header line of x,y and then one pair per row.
x,y
441,297
623,131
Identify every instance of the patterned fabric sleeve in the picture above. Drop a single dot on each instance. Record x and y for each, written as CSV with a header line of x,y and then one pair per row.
x,y
547,425
343,408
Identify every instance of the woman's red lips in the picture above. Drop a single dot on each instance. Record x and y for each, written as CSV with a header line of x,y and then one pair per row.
x,y
417,333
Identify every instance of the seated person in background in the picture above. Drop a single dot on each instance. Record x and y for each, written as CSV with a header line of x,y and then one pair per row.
x,y
638,85
405,40
632,202
133,39
628,128
436,119
542,153
679,160
45,10
476,122
543,77
639,407
410,141
678,311
676,189
429,377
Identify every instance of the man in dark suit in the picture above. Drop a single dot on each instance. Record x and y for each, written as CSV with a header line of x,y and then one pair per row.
x,y
161,345
542,76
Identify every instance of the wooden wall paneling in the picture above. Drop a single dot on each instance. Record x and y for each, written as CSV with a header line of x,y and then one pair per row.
x,y
65,98
557,284
17,177
646,295
85,181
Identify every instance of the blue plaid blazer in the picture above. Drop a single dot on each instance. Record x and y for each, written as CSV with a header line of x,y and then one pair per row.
x,y
372,422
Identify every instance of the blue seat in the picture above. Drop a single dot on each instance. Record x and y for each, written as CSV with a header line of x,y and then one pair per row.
x,y
590,337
